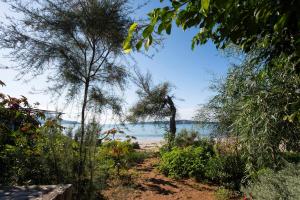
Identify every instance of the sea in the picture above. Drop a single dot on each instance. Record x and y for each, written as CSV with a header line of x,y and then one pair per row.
x,y
154,132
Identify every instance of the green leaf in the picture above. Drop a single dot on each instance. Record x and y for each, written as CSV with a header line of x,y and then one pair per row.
x,y
148,31
205,5
133,27
148,42
280,23
127,43
161,27
128,50
178,21
176,4
168,28
139,45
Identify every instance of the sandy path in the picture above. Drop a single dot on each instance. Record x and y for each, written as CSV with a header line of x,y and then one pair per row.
x,y
149,184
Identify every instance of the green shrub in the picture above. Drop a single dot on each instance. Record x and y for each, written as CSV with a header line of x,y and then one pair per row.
x,y
186,138
234,167
207,144
120,155
135,157
222,194
214,170
135,145
19,138
291,157
164,149
185,162
228,170
270,185
199,160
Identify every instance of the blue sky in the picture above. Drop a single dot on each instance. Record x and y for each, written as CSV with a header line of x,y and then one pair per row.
x,y
189,71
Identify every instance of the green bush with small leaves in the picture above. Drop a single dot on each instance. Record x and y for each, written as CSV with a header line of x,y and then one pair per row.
x,y
185,162
120,155
222,194
282,184
186,138
228,170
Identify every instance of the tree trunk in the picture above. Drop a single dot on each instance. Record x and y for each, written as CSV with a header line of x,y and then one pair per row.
x,y
172,124
81,160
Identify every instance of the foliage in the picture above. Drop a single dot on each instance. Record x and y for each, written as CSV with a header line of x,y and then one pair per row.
x,y
18,140
291,157
135,145
186,138
155,102
283,184
31,153
271,26
82,42
222,194
120,155
59,153
215,169
202,159
258,104
228,170
185,162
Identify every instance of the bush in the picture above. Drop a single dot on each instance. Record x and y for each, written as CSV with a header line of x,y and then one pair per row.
x,y
270,184
135,145
214,170
222,194
19,137
228,170
120,155
185,162
185,138
291,157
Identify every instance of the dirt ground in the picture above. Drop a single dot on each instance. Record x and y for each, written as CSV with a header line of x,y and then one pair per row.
x,y
148,184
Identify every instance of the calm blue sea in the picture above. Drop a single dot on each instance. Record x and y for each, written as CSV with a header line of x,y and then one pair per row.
x,y
153,132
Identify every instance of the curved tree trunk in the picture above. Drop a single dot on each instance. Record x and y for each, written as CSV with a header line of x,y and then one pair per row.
x,y
172,125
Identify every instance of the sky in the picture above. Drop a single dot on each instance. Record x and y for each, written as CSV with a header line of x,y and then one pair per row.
x,y
190,72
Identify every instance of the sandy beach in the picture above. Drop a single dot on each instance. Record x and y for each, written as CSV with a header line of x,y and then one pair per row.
x,y
152,145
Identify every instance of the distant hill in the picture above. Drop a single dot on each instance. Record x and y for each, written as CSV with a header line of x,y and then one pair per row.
x,y
177,122
69,122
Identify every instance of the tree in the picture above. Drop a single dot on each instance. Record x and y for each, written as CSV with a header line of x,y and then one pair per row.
x,y
79,42
155,102
259,100
258,104
271,26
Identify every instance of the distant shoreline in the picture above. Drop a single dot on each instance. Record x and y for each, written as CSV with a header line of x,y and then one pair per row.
x,y
177,122
149,122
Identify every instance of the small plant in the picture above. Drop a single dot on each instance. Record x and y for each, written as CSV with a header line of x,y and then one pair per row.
x,y
214,170
186,138
120,155
291,157
228,170
283,184
222,194
135,145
